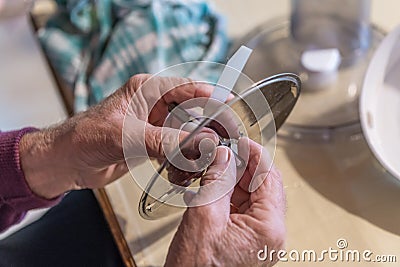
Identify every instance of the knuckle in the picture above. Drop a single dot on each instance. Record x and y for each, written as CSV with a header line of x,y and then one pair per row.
x,y
135,82
157,135
139,78
155,148
217,174
212,176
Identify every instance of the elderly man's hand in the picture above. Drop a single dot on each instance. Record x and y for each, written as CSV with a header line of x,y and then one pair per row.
x,y
86,151
218,234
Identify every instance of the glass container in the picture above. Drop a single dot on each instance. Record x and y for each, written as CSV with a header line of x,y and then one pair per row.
x,y
329,45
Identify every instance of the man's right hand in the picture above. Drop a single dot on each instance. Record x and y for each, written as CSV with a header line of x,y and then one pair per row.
x,y
217,235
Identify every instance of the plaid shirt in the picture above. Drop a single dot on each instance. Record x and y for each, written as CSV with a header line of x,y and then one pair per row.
x,y
97,45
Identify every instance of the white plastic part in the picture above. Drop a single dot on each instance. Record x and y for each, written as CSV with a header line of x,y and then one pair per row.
x,y
321,60
380,103
321,67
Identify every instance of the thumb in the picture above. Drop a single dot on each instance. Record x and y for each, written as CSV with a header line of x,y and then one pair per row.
x,y
214,196
162,140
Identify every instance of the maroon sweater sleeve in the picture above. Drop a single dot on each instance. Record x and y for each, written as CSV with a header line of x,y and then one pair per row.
x,y
16,198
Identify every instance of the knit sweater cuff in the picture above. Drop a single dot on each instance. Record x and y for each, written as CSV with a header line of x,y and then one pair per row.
x,y
14,190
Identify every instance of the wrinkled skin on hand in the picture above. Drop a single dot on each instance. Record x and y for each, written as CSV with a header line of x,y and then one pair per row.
x,y
86,151
217,235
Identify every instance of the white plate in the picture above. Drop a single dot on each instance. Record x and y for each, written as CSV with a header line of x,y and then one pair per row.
x,y
380,103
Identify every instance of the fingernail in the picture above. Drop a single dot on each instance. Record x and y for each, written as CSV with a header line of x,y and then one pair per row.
x,y
207,135
222,155
206,142
255,183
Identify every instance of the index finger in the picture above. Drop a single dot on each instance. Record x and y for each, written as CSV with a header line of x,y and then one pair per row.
x,y
177,90
262,180
259,162
257,165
